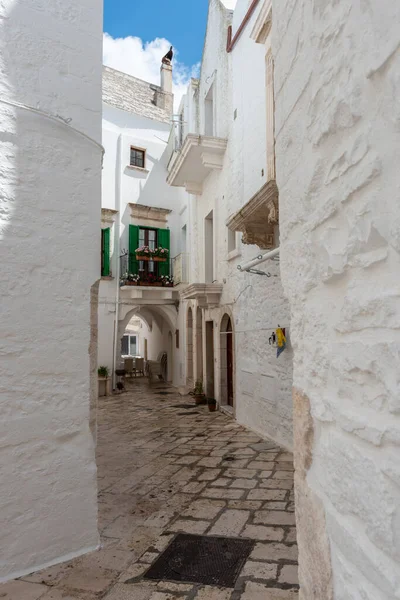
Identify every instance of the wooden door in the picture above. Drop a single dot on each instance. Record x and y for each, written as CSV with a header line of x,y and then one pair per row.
x,y
229,361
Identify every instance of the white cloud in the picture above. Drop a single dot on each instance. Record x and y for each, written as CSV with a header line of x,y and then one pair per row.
x,y
143,60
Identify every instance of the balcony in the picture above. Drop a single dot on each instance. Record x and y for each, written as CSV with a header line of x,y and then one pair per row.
x,y
196,159
147,286
207,294
259,217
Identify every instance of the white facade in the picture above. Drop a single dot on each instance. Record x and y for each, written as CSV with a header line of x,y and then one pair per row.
x,y
50,169
337,113
225,170
139,115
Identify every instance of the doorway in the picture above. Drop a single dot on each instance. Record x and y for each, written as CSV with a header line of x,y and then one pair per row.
x,y
189,347
227,361
199,344
210,359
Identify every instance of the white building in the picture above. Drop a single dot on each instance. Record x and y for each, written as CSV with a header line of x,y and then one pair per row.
x,y
139,208
50,170
337,113
224,159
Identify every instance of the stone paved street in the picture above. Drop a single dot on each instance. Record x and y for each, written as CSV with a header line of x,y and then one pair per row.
x,y
164,470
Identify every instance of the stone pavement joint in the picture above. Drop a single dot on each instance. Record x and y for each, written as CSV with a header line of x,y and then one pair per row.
x,y
161,472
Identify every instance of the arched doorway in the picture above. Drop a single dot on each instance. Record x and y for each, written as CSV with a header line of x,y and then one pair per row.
x,y
227,361
199,344
189,346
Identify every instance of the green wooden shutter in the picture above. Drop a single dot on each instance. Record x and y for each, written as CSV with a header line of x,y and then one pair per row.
x,y
106,252
163,240
133,245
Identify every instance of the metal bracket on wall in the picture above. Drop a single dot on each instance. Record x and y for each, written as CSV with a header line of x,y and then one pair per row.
x,y
257,272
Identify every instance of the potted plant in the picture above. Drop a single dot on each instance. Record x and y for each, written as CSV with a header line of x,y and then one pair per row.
x,y
198,393
160,254
104,381
212,404
144,253
167,281
133,279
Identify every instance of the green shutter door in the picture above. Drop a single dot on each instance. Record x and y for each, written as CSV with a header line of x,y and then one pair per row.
x,y
133,245
164,242
106,252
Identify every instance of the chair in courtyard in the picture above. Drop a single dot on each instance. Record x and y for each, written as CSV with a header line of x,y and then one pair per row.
x,y
139,366
129,366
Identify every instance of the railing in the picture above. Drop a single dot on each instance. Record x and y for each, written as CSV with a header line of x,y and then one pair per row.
x,y
180,268
132,272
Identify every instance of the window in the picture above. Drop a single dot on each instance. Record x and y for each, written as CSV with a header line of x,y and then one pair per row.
x,y
129,345
137,157
231,240
148,237
105,252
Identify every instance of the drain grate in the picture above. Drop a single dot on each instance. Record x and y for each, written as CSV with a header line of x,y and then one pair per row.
x,y
187,414
202,559
187,406
164,393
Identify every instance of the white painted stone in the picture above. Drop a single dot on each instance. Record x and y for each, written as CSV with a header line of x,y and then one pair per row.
x,y
336,91
49,238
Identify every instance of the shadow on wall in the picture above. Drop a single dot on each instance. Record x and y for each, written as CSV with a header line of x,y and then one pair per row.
x,y
47,174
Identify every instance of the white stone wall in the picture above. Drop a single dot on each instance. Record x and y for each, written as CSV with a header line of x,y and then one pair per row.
x,y
263,382
337,113
121,186
49,214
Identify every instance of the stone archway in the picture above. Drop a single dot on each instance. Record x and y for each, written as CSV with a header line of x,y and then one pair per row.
x,y
227,361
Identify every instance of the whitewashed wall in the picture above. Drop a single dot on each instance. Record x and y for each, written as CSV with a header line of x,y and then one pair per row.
x,y
263,399
49,215
337,87
148,188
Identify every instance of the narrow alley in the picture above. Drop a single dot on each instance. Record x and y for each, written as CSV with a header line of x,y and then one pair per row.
x,y
165,468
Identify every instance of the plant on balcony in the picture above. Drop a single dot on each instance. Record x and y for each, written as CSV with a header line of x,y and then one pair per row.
x,y
144,253
129,279
150,279
102,371
160,254
167,281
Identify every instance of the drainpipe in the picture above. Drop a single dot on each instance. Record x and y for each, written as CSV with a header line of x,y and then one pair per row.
x,y
117,250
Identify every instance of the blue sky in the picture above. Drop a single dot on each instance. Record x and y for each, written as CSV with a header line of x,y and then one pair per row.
x,y
182,22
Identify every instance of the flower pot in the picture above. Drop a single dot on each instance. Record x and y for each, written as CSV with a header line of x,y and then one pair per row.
x,y
159,259
143,257
212,405
200,399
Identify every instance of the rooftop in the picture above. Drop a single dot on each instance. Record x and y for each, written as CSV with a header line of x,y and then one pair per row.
x,y
133,95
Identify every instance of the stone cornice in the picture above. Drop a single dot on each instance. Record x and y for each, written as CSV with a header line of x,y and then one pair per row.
x,y
150,213
108,215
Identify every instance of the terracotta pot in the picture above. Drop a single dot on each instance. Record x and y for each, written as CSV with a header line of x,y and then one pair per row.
x,y
212,407
200,399
159,259
144,257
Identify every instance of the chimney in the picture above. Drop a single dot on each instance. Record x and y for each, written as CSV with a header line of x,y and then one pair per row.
x,y
166,86
166,77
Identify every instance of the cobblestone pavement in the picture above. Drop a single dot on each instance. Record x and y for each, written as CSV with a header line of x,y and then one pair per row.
x,y
164,470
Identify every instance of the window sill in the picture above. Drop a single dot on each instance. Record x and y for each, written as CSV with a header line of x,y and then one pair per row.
x,y
107,278
140,169
234,254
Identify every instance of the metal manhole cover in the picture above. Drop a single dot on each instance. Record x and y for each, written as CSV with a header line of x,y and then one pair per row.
x,y
202,559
